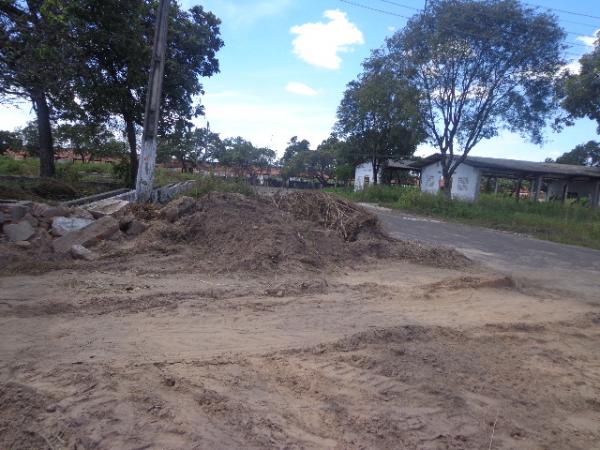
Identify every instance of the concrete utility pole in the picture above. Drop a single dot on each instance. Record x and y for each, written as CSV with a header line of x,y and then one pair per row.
x,y
145,175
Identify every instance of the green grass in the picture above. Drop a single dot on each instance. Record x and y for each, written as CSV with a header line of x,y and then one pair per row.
x,y
27,167
208,184
570,223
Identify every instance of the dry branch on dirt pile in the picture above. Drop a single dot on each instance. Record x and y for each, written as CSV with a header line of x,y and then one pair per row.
x,y
329,211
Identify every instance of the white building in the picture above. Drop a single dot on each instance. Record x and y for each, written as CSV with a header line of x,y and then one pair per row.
x,y
561,181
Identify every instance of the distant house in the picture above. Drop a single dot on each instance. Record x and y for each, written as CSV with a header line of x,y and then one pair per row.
x,y
388,171
563,181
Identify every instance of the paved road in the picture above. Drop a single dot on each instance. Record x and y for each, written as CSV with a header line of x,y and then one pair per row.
x,y
557,265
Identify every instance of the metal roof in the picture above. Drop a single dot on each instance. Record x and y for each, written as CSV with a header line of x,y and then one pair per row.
x,y
519,166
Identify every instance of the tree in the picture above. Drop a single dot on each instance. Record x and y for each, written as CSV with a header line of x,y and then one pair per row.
x,y
9,140
243,157
36,63
480,66
294,147
91,140
583,155
581,92
116,50
379,116
188,145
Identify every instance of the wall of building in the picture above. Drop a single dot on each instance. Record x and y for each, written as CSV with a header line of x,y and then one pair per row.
x,y
362,173
465,181
581,190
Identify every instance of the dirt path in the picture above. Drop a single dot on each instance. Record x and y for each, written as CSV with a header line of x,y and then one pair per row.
x,y
141,355
558,266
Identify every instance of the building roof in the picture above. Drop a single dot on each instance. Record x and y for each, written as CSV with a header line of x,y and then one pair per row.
x,y
516,166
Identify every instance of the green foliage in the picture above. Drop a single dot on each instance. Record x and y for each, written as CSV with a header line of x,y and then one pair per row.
x,y
188,145
23,167
480,67
209,184
581,91
243,156
379,116
583,155
89,139
9,140
295,147
122,171
571,223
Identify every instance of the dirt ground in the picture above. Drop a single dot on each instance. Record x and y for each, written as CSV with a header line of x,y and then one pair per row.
x,y
153,350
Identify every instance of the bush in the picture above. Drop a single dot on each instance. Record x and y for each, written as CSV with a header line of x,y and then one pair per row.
x,y
23,167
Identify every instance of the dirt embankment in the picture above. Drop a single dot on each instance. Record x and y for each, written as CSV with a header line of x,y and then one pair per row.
x,y
225,232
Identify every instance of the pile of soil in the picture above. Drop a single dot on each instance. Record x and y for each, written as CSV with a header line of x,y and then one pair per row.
x,y
331,212
232,232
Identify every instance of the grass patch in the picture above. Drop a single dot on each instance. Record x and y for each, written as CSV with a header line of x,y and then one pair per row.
x,y
207,184
571,223
22,167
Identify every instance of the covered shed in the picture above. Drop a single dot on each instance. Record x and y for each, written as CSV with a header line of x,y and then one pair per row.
x,y
562,180
390,172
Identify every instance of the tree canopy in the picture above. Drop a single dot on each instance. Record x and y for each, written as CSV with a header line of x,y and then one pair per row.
x,y
581,92
379,116
587,154
479,66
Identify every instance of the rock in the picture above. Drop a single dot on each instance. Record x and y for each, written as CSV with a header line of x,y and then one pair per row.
x,y
136,227
80,252
48,212
42,241
32,220
18,211
100,229
107,207
23,244
178,208
20,231
63,225
51,408
81,213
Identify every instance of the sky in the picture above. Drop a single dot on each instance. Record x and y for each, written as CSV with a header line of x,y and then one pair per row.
x,y
286,63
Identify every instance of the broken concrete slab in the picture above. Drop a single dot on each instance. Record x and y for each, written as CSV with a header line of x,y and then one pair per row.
x,y
100,229
107,207
20,231
18,211
23,244
63,225
80,252
48,212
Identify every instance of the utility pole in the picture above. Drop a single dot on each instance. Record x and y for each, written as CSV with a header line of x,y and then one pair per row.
x,y
145,175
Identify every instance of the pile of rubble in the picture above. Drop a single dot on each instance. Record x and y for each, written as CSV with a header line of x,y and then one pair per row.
x,y
65,230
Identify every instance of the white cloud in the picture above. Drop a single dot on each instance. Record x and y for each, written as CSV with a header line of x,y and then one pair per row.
x,y
589,40
391,29
573,67
265,122
320,43
299,88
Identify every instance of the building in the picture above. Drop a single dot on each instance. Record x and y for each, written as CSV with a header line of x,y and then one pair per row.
x,y
562,181
388,171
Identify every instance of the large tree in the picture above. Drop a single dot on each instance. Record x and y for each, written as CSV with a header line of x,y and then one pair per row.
x,y
115,39
587,154
379,116
188,145
581,91
89,140
480,66
36,63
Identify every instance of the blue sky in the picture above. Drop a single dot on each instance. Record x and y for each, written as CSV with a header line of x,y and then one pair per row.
x,y
285,65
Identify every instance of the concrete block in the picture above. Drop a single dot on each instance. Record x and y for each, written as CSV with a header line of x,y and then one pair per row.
x,y
107,207
80,252
63,225
20,231
100,229
18,211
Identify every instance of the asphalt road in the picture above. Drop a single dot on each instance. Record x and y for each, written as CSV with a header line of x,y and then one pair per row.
x,y
556,265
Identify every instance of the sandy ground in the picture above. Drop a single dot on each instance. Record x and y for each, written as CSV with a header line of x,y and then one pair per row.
x,y
147,353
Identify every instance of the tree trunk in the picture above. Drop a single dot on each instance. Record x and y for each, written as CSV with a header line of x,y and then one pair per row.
x,y
133,158
374,163
44,134
447,183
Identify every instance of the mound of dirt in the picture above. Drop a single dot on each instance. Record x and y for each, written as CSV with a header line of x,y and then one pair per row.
x,y
331,212
231,232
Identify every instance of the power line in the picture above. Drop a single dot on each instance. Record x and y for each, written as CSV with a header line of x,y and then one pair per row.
x,y
564,11
390,13
370,8
412,8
